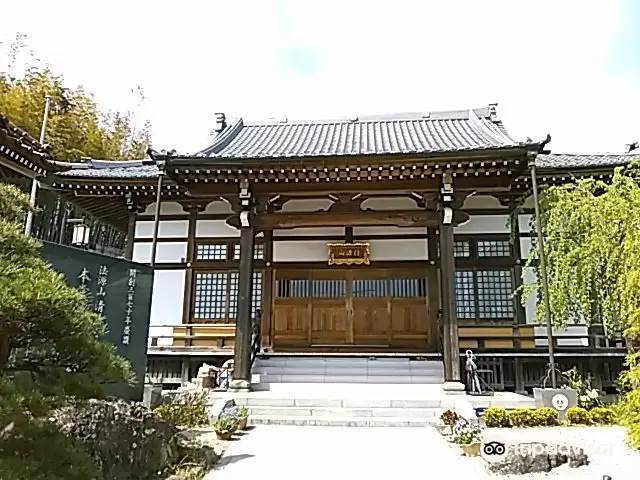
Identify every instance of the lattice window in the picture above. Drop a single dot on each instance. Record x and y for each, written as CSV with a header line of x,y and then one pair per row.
x,y
294,288
212,251
323,288
494,248
484,294
216,295
465,294
370,288
407,287
495,290
461,249
258,251
211,296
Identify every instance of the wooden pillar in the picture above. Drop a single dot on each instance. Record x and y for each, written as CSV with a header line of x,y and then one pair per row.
x,y
433,290
518,369
451,351
243,337
189,279
131,235
267,292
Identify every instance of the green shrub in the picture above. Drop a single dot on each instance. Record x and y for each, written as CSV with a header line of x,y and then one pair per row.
x,y
521,417
496,417
545,417
578,416
602,416
183,415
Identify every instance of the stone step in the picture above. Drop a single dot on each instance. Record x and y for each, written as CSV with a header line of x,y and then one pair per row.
x,y
342,421
270,411
339,403
379,379
353,362
344,370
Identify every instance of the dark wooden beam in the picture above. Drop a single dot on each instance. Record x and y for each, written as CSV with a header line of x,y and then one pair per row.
x,y
362,218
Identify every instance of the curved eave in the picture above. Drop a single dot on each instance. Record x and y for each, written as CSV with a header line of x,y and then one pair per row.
x,y
363,159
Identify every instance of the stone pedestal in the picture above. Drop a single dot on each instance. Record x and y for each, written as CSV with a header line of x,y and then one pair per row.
x,y
455,388
239,385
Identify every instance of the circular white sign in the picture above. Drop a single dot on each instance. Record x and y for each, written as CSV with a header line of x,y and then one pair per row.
x,y
560,402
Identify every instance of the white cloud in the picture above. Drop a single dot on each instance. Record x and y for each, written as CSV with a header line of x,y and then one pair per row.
x,y
541,60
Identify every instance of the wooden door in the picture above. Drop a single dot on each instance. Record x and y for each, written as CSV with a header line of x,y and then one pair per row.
x,y
350,308
330,321
371,308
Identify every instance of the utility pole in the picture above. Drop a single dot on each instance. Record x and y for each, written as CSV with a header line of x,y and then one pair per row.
x,y
34,184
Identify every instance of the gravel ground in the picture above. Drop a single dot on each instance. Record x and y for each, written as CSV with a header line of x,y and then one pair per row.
x,y
287,452
605,446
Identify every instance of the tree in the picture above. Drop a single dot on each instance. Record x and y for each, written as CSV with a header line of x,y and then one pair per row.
x,y
51,354
592,239
76,127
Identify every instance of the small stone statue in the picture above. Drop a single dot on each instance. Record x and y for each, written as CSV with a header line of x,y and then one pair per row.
x,y
473,382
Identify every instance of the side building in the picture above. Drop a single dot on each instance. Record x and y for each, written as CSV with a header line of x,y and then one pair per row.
x,y
390,235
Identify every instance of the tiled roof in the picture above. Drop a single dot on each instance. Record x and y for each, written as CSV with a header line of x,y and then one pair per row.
x,y
106,169
564,160
452,131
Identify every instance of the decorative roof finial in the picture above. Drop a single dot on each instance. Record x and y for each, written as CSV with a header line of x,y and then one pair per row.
x,y
221,123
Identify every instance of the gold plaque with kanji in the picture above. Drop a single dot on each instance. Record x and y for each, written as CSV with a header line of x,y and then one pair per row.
x,y
349,254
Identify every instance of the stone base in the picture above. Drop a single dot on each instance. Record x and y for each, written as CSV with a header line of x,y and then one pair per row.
x,y
453,388
239,386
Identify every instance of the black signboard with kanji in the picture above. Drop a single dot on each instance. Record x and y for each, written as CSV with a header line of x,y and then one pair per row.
x,y
120,291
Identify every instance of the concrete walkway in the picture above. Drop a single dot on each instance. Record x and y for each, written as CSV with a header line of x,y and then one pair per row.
x,y
334,453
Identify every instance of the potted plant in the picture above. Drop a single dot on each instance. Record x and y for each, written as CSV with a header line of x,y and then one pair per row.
x,y
448,419
468,436
242,415
225,427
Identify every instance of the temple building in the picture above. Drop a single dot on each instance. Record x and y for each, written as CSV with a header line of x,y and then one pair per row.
x,y
396,235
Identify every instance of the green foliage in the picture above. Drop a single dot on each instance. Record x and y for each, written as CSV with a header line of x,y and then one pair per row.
x,y
602,416
521,417
629,416
187,410
51,352
588,397
76,127
545,417
189,416
578,416
496,417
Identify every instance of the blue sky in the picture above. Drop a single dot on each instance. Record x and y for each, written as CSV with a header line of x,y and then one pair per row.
x,y
570,68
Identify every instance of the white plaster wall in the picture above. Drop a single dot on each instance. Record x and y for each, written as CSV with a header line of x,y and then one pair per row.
x,y
525,246
167,252
306,205
524,223
482,201
393,203
166,228
166,208
397,231
219,206
166,303
484,224
309,232
306,251
215,228
397,250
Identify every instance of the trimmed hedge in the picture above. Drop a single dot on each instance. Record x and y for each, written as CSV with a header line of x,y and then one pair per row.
x,y
578,416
